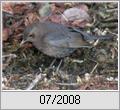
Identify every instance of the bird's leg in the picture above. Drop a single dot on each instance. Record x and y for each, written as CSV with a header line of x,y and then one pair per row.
x,y
52,63
59,65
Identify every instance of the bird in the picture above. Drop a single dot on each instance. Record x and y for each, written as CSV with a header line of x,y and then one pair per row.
x,y
57,40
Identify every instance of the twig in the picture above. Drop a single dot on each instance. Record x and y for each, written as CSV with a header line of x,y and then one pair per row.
x,y
78,61
67,84
112,32
92,60
4,83
8,12
35,81
111,10
64,16
93,22
10,55
94,68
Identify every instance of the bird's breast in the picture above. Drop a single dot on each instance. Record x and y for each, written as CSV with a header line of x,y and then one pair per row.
x,y
54,51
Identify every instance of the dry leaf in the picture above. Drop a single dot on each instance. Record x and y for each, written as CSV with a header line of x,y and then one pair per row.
x,y
45,10
30,18
73,14
83,7
6,33
55,18
7,7
19,8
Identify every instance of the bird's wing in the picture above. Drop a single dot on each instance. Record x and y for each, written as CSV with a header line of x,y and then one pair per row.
x,y
68,40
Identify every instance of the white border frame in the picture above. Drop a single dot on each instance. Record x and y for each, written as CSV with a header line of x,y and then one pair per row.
x,y
62,90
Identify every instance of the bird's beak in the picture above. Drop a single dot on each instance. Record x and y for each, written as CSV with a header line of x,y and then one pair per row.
x,y
29,39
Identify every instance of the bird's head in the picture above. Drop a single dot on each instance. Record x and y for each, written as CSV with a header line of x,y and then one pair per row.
x,y
29,34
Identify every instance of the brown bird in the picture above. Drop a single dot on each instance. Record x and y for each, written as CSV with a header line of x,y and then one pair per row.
x,y
57,40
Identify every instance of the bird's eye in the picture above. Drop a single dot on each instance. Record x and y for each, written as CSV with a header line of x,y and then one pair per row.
x,y
31,35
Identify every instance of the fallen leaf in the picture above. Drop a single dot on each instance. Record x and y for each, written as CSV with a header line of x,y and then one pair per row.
x,y
5,34
73,14
45,10
83,7
7,7
30,18
55,18
19,8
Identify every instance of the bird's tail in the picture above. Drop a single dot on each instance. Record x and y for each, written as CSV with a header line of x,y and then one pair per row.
x,y
90,37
